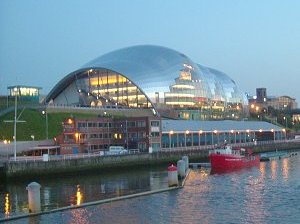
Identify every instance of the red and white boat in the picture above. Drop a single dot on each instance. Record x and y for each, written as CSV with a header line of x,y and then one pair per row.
x,y
226,158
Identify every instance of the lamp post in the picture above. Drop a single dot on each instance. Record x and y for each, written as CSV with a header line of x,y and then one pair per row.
x,y
170,138
284,118
15,121
44,112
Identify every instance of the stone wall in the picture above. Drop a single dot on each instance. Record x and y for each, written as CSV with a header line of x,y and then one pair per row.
x,y
40,168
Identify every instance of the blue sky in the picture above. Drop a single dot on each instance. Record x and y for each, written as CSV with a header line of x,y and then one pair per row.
x,y
257,42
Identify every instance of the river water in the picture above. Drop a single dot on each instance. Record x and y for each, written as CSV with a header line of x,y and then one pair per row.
x,y
269,193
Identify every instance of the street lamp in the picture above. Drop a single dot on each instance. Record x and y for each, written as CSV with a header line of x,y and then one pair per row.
x,y
284,118
170,138
44,112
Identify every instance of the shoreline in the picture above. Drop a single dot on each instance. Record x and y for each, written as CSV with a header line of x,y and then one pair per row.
x,y
29,169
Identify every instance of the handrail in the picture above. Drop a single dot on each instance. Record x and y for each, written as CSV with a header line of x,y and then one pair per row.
x,y
163,150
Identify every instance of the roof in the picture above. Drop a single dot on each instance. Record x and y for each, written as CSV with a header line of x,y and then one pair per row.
x,y
221,126
22,86
154,69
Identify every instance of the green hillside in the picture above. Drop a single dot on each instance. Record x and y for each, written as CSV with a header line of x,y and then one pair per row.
x,y
35,124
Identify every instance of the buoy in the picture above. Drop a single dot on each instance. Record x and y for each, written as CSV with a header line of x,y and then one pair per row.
x,y
186,160
172,176
34,198
181,168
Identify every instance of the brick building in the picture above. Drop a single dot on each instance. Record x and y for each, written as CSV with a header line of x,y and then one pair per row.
x,y
97,134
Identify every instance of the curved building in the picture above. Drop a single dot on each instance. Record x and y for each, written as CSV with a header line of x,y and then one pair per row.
x,y
153,77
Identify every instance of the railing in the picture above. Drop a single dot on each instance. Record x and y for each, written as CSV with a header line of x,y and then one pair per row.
x,y
168,150
65,157
246,144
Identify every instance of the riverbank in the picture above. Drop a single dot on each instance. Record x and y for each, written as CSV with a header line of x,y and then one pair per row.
x,y
26,169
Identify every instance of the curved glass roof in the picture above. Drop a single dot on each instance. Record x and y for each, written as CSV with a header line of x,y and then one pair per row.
x,y
167,78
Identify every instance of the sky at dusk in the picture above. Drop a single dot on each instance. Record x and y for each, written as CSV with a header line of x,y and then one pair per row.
x,y
257,42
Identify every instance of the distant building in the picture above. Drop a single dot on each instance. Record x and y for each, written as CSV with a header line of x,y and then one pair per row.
x,y
282,103
296,118
261,95
261,102
25,93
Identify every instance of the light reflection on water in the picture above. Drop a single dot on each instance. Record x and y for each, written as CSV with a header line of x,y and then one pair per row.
x,y
267,194
75,190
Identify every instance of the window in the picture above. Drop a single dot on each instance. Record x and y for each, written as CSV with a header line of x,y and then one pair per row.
x,y
81,125
154,123
141,124
154,134
132,135
155,145
141,135
131,124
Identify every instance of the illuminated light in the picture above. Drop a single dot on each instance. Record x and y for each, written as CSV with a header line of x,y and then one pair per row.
x,y
179,95
120,136
79,90
252,106
115,136
237,107
187,132
171,132
283,130
215,131
272,130
70,121
79,196
257,108
178,86
130,97
247,130
76,135
188,66
88,94
200,132
181,103
260,130
232,131
7,204
112,90
5,142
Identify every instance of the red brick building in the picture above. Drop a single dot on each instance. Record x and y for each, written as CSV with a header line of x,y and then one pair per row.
x,y
97,134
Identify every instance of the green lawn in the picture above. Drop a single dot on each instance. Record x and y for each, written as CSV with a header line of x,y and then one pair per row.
x,y
35,124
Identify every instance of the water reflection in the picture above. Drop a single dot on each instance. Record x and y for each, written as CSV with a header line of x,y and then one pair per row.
x,y
7,205
75,190
79,216
273,169
262,168
248,196
78,196
285,168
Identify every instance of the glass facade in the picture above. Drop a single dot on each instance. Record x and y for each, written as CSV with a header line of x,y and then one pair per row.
x,y
152,77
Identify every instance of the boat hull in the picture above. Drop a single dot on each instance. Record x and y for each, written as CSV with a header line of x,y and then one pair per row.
x,y
223,162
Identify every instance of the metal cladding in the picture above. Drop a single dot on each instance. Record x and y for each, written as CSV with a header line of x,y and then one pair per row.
x,y
152,77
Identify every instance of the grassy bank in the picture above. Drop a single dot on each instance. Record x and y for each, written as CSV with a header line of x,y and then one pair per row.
x,y
35,124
